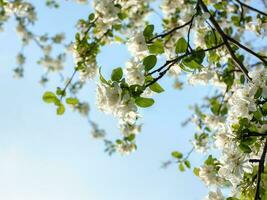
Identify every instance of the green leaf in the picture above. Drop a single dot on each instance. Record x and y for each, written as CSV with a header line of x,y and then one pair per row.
x,y
198,56
60,109
211,38
91,17
148,31
122,16
117,74
232,198
118,141
210,160
149,62
49,97
258,93
245,148
130,138
136,90
215,106
242,79
236,20
118,39
264,107
156,48
257,114
185,68
60,92
181,46
177,154
155,87
144,102
181,167
196,171
187,164
192,64
72,101
101,77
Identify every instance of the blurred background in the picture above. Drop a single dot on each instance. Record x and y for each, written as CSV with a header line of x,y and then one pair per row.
x,y
47,157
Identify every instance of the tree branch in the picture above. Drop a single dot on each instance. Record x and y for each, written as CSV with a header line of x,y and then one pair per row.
x,y
262,58
172,30
255,134
260,171
251,8
172,62
225,40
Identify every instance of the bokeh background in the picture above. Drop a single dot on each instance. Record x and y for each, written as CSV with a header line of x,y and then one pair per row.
x,y
47,157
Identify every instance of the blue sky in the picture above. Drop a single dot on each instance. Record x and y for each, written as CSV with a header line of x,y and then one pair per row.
x,y
46,157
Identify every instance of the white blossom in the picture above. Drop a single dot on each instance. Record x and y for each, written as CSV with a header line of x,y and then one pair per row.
x,y
134,72
111,101
106,10
234,164
125,148
209,176
217,195
137,45
203,77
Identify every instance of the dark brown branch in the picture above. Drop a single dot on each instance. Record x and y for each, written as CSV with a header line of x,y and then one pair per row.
x,y
262,58
171,31
254,160
159,69
260,171
188,34
254,134
170,63
76,69
251,8
161,74
225,40
68,83
255,64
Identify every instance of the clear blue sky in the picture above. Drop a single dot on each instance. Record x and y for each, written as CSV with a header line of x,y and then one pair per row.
x,y
46,157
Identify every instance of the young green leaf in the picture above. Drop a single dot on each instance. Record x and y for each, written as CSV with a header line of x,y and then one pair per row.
x,y
60,109
242,79
245,148
192,64
149,62
101,77
148,31
60,92
264,107
91,17
144,102
187,164
181,46
130,138
155,87
156,48
258,93
49,97
117,74
181,167
177,154
72,101
196,171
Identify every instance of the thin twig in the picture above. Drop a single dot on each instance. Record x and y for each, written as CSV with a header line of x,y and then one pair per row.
x,y
262,58
170,31
260,171
170,63
225,40
251,8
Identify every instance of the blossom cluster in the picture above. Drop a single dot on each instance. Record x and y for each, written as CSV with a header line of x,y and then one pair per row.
x,y
202,43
